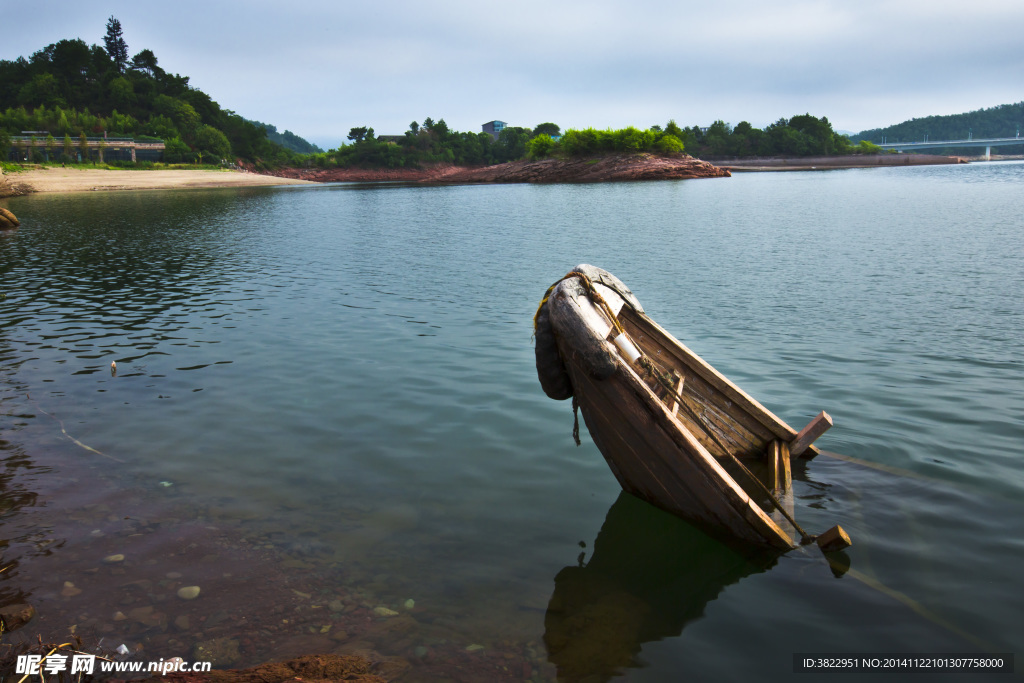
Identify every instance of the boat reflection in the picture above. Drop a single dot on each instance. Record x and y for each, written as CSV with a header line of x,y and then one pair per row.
x,y
650,574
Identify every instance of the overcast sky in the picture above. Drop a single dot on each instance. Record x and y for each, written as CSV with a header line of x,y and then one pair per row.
x,y
320,67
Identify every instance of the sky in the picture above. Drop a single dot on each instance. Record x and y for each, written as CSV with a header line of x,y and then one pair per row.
x,y
321,67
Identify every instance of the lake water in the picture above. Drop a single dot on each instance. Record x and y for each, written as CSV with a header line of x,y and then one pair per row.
x,y
326,404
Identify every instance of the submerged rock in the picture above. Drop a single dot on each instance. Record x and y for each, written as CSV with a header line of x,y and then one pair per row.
x,y
218,651
384,612
188,592
13,617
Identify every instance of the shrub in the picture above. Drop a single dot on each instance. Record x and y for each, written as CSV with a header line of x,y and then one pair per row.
x,y
540,146
866,147
669,144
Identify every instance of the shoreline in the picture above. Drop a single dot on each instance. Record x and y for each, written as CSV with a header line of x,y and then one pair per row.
x,y
610,168
835,162
71,179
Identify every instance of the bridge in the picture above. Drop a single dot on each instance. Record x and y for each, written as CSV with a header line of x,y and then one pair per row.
x,y
987,143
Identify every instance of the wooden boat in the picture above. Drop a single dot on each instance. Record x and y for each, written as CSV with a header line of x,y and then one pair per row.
x,y
672,428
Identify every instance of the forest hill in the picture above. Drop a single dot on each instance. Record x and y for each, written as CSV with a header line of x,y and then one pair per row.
x,y
69,88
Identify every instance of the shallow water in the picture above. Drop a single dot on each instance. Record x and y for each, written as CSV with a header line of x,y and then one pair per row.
x,y
331,390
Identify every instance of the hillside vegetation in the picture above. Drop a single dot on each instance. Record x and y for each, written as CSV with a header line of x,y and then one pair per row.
x,y
70,88
434,142
1003,121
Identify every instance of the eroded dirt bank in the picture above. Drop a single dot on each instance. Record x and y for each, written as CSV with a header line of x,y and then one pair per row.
x,y
601,169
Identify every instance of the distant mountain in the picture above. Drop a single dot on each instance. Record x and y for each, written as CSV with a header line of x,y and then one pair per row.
x,y
1003,121
288,139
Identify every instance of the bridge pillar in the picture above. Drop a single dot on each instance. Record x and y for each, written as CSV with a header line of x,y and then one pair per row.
x,y
988,153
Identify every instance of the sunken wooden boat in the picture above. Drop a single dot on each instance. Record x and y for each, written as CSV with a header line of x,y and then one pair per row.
x,y
674,431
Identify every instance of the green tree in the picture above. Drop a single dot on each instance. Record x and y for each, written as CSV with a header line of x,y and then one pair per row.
x,y
146,62
441,131
360,134
672,128
186,119
511,143
161,127
116,46
818,136
44,89
5,144
122,93
68,148
211,141
175,151
549,129
83,147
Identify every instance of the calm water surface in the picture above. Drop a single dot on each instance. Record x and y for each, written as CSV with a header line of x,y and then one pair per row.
x,y
326,403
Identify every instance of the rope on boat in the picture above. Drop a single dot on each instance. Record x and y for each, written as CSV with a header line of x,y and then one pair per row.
x,y
652,370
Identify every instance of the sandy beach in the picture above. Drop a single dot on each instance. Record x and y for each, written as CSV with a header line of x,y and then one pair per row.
x,y
90,180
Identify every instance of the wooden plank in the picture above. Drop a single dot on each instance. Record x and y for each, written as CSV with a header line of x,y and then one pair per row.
x,y
678,394
773,465
834,539
815,428
785,472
